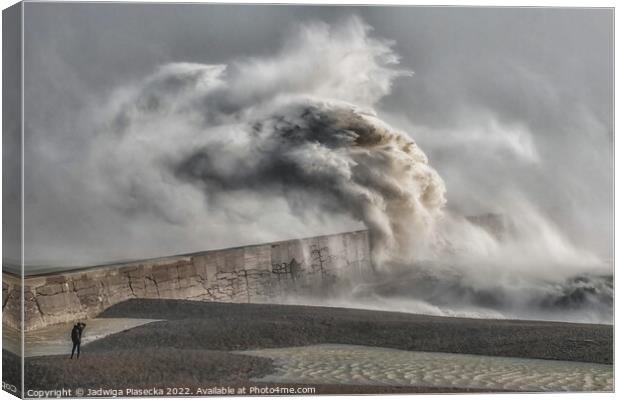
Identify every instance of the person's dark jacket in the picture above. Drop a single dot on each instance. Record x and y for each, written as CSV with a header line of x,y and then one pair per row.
x,y
76,332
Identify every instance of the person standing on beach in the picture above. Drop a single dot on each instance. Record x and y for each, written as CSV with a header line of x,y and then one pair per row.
x,y
76,337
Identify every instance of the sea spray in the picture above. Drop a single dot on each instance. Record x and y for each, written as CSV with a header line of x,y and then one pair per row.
x,y
291,145
335,154
293,127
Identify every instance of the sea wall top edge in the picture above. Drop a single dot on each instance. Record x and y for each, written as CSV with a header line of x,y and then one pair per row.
x,y
77,269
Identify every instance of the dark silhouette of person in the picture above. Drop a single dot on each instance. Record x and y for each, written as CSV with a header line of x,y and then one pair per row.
x,y
76,337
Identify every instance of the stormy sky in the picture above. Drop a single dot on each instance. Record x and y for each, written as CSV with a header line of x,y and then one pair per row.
x,y
510,106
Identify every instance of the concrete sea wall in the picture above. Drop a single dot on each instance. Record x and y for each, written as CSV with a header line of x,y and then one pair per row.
x,y
252,274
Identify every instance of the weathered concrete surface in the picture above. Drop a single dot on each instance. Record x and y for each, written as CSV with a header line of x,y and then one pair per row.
x,y
11,301
252,274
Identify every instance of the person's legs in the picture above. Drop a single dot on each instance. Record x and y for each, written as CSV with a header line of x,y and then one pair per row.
x,y
78,349
73,350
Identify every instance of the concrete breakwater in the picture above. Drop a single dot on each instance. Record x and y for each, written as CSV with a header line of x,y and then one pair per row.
x,y
251,274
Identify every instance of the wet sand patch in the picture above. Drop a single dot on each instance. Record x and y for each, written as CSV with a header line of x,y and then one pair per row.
x,y
56,339
364,365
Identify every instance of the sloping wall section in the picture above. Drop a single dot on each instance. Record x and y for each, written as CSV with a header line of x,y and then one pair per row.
x,y
251,274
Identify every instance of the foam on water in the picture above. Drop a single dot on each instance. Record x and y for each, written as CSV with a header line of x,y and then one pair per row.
x,y
362,365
